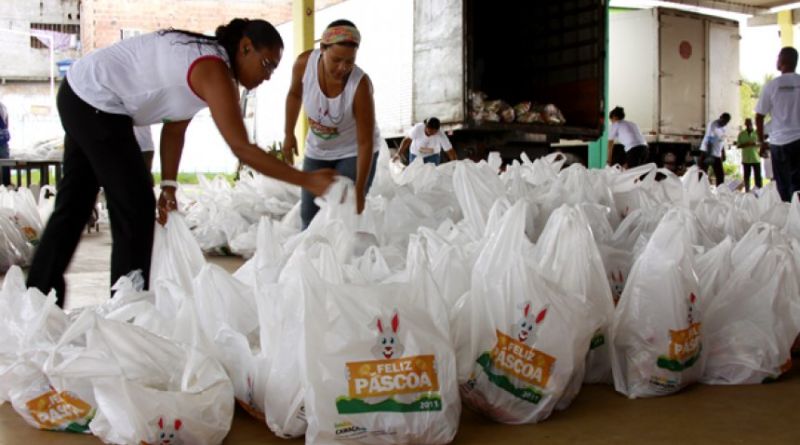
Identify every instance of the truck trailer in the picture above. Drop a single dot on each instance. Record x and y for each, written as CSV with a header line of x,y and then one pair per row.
x,y
673,72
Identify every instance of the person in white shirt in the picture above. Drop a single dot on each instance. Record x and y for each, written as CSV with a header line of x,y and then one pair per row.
x,y
627,134
337,97
426,141
712,149
780,98
161,77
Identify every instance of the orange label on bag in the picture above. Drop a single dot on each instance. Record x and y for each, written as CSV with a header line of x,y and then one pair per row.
x,y
55,411
407,375
685,343
522,361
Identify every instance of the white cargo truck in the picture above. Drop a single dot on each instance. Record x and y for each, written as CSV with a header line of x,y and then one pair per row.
x,y
425,57
673,72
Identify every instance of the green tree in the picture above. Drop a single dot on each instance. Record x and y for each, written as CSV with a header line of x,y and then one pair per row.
x,y
747,98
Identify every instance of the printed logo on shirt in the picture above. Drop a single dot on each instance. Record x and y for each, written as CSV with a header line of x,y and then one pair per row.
x,y
389,376
514,364
322,131
787,88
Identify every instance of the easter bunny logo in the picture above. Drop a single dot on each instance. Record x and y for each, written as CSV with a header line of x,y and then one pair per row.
x,y
692,308
388,345
617,284
527,328
169,434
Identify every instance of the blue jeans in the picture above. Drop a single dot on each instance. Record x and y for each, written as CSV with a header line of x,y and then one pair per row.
x,y
430,159
345,167
786,168
6,171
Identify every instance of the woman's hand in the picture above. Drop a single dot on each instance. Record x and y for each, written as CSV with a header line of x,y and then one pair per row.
x,y
166,203
289,148
319,181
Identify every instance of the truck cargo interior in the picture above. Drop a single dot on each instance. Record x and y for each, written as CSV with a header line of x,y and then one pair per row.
x,y
540,51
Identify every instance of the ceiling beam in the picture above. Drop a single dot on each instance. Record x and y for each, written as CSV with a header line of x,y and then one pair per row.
x,y
771,19
724,5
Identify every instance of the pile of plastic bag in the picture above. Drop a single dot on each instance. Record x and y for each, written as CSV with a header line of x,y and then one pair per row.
x,y
506,291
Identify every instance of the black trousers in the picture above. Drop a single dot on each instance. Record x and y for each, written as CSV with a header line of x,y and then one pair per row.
x,y
756,168
99,150
786,168
636,156
715,163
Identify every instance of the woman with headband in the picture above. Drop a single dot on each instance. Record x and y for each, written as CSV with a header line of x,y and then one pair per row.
x,y
337,96
162,77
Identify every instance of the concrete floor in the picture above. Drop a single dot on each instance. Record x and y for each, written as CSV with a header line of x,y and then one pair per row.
x,y
757,414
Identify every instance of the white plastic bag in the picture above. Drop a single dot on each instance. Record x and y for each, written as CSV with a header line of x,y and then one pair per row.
x,y
176,255
567,254
31,325
146,387
379,363
521,341
657,343
749,325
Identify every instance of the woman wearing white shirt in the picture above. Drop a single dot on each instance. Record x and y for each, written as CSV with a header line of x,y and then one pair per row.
x,y
426,141
162,77
627,133
337,97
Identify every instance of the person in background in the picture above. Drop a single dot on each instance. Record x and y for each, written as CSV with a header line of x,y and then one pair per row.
x,y
712,148
748,143
426,141
5,137
166,76
628,135
780,98
337,97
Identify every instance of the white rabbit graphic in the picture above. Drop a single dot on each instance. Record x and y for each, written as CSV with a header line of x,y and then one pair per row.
x,y
169,434
388,344
617,285
526,329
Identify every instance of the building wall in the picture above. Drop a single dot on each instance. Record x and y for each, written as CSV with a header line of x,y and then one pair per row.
x,y
103,20
31,116
20,60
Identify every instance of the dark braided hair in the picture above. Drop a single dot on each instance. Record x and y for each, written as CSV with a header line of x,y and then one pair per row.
x,y
260,32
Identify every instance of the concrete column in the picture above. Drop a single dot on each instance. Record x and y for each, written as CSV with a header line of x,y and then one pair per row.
x,y
303,20
785,25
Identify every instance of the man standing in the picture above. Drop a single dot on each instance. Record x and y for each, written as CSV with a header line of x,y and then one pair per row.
x,y
712,148
748,143
5,136
780,99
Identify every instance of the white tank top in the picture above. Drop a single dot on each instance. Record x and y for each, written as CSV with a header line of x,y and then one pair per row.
x,y
332,125
145,77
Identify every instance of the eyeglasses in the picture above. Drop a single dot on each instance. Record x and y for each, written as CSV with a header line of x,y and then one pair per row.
x,y
268,65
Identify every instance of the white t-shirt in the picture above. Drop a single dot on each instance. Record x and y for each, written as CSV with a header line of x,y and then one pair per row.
x,y
424,145
332,132
144,77
626,133
780,98
144,137
714,139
